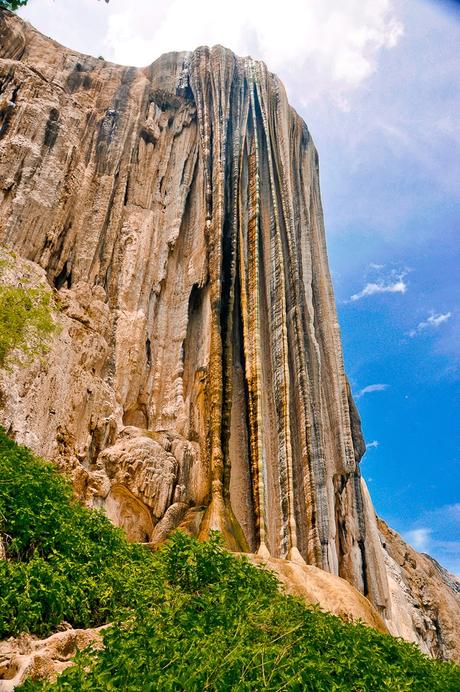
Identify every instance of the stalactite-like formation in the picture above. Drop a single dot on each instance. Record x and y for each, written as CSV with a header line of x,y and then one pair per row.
x,y
265,238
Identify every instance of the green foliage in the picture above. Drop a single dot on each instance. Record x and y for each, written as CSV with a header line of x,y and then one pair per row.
x,y
63,560
26,321
12,5
189,617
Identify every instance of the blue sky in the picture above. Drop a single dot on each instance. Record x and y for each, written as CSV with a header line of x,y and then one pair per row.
x,y
377,83
390,185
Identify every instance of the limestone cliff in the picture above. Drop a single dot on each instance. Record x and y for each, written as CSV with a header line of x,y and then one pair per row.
x,y
198,378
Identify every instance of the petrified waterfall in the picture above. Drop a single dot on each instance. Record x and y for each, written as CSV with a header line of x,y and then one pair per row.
x,y
198,378
272,324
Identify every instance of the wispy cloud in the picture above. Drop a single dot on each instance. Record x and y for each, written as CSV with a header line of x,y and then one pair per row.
x,y
432,322
374,443
371,388
446,552
420,539
393,284
437,532
443,516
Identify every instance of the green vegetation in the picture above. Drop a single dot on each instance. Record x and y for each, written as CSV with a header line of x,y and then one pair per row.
x,y
189,617
63,560
26,320
12,5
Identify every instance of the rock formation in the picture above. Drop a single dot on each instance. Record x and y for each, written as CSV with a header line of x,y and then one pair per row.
x,y
425,598
42,659
198,378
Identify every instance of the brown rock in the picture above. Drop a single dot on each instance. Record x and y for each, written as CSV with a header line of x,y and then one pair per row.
x,y
425,598
176,211
317,587
42,659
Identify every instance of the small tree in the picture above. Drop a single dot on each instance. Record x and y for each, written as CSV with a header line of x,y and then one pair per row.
x,y
13,5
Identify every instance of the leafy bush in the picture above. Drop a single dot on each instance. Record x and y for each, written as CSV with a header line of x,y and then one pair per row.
x,y
12,5
26,319
63,559
222,624
190,617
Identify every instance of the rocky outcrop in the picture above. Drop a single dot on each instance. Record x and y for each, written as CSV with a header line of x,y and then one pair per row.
x,y
42,659
320,588
425,598
198,377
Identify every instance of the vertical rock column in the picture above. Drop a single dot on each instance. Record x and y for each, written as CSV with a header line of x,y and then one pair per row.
x,y
273,318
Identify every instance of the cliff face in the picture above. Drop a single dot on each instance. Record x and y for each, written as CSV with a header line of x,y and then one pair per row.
x,y
198,379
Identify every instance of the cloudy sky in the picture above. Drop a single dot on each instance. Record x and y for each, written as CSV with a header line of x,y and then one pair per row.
x,y
377,83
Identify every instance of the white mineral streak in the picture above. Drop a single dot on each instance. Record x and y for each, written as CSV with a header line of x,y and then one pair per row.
x,y
198,378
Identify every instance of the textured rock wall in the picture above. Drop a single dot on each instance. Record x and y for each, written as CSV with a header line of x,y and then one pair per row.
x,y
42,659
198,378
425,598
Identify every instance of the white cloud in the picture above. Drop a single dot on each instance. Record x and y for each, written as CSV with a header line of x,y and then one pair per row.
x,y
374,443
453,511
78,24
437,532
420,539
393,284
447,515
323,48
319,49
371,388
432,322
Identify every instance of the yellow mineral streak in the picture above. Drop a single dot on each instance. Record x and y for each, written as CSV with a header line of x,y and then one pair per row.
x,y
280,344
209,75
254,379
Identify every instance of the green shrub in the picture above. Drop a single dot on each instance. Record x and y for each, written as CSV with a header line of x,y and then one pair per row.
x,y
190,617
12,5
65,562
26,320
209,638
238,632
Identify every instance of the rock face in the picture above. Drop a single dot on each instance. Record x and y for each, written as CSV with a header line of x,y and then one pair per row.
x,y
425,598
329,592
198,378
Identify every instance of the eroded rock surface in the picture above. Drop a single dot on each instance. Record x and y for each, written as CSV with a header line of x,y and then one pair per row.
x,y
198,378
176,210
42,659
425,598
